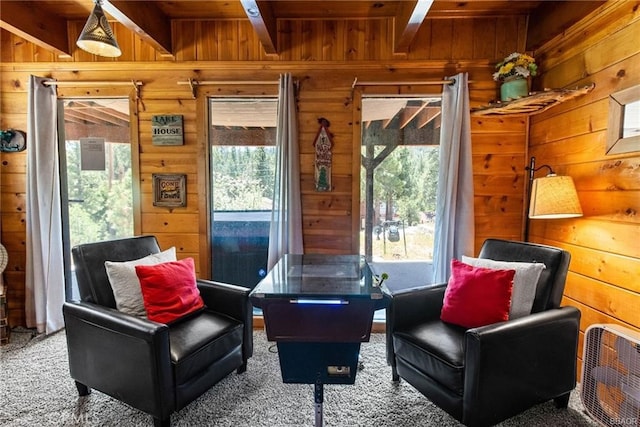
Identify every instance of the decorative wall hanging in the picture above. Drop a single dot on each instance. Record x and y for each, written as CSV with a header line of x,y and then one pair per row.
x,y
12,141
167,130
323,146
169,190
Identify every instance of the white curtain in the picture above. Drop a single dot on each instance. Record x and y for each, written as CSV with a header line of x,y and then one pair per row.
x,y
285,234
44,263
454,234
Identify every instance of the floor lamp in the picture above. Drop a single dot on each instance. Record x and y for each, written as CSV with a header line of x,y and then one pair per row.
x,y
550,197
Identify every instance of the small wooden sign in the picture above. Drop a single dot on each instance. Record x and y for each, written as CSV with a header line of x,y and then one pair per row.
x,y
169,190
167,130
323,146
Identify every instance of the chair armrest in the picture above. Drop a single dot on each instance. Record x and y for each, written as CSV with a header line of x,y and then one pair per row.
x,y
532,358
409,307
414,305
225,298
120,355
113,320
233,301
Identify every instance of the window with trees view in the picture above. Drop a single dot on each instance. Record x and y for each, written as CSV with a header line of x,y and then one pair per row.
x,y
96,178
399,158
242,137
100,202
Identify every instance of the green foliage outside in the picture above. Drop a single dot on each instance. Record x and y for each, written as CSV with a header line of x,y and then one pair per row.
x,y
405,188
100,202
242,178
406,182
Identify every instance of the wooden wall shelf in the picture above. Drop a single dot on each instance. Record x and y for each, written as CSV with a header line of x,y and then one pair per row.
x,y
532,104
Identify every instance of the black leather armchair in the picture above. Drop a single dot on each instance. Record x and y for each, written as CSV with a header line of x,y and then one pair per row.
x,y
153,367
484,375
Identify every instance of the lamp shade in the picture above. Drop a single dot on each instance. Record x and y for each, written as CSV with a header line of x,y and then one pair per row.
x,y
96,36
554,197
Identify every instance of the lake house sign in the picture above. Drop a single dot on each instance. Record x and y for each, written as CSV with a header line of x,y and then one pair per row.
x,y
167,130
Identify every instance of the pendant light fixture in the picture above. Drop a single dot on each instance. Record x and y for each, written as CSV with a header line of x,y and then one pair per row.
x,y
97,37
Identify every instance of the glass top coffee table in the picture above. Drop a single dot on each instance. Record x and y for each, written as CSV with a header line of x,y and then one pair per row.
x,y
318,309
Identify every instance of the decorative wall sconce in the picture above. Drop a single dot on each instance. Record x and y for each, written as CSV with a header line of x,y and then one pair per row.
x,y
550,197
96,36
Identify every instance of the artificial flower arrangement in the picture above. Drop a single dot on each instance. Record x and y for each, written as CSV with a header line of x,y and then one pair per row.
x,y
516,65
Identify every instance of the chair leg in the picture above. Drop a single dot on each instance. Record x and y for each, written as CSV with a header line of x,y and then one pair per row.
x,y
83,390
562,401
242,368
162,422
394,374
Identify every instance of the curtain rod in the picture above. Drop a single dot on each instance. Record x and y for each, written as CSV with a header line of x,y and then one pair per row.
x,y
397,83
91,83
195,83
136,84
228,82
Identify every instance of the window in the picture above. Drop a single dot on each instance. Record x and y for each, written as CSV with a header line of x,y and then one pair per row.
x,y
96,178
400,146
242,137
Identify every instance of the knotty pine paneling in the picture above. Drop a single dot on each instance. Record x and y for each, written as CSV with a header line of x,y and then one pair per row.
x,y
612,300
179,226
498,153
299,40
335,105
582,120
611,236
325,56
571,138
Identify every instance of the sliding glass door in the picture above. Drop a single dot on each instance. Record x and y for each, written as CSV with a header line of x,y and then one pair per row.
x,y
242,138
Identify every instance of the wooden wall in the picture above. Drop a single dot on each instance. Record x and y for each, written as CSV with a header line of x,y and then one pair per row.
x,y
326,57
604,278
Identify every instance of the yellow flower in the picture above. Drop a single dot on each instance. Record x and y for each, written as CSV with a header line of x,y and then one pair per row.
x,y
524,61
506,68
516,65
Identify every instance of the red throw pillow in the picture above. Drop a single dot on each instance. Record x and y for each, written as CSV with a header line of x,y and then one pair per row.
x,y
477,296
169,290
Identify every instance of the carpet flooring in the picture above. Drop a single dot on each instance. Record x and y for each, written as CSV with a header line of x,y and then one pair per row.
x,y
36,390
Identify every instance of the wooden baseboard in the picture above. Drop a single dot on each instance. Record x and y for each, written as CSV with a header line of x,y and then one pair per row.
x,y
376,328
258,322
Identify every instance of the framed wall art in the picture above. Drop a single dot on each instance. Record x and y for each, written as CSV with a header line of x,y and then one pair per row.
x,y
167,130
169,190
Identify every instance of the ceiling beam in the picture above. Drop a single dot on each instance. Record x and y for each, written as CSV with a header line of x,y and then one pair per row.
x,y
73,131
409,113
410,16
36,26
146,20
427,115
264,23
92,113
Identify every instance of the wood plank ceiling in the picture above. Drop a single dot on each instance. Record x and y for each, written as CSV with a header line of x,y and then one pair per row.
x,y
44,22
